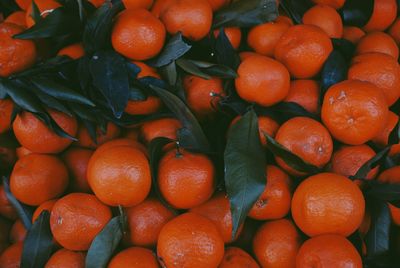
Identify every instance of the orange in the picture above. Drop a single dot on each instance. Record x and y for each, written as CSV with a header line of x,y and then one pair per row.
x,y
76,219
135,4
192,18
134,257
64,258
383,15
77,159
378,42
262,80
37,178
121,142
365,225
202,95
186,179
274,202
325,17
24,4
352,34
305,93
84,139
137,34
247,54
284,19
6,109
307,139
303,49
328,251
234,35
74,51
15,54
35,136
22,151
237,258
394,31
392,175
131,133
11,257
336,4
160,6
382,139
18,18
145,222
164,127
354,111
6,209
328,203
190,240
218,4
218,210
264,37
348,160
18,232
120,175
276,244
45,8
48,205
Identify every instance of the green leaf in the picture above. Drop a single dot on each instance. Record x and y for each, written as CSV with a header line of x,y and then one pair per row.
x,y
371,164
170,73
334,71
246,13
290,158
35,15
50,102
295,9
173,50
23,98
287,110
8,140
83,112
50,123
192,137
3,91
357,12
389,192
104,244
191,68
224,51
394,136
38,243
245,166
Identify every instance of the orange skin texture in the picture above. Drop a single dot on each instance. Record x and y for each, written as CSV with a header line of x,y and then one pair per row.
x,y
237,258
365,225
392,175
22,151
137,34
325,17
15,54
18,232
217,209
6,108
262,80
18,18
74,51
11,257
77,160
394,31
305,93
336,4
307,139
34,135
354,111
6,209
378,42
164,127
382,138
328,251
348,159
121,142
234,35
303,49
33,181
24,4
45,8
145,222
48,205
186,180
84,139
352,34
192,18
66,259
76,219
264,37
276,244
134,257
202,95
190,240
383,15
218,4
120,175
284,19
160,6
328,203
135,4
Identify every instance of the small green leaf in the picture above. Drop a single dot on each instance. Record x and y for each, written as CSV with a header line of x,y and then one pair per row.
x,y
245,167
191,68
295,9
224,51
389,192
23,97
371,164
38,244
170,73
104,244
287,110
333,71
173,50
50,123
50,102
3,91
394,136
357,12
35,15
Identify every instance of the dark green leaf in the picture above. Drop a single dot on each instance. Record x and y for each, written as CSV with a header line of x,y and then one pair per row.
x,y
136,93
23,98
357,12
194,137
169,72
50,66
213,69
394,136
8,7
83,112
290,158
371,164
246,13
345,47
191,68
295,9
104,244
389,192
110,76
49,121
245,166
50,102
287,110
8,140
224,52
333,71
38,243
3,91
35,15
173,50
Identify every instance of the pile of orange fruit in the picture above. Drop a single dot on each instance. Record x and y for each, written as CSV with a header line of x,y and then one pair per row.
x,y
316,188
